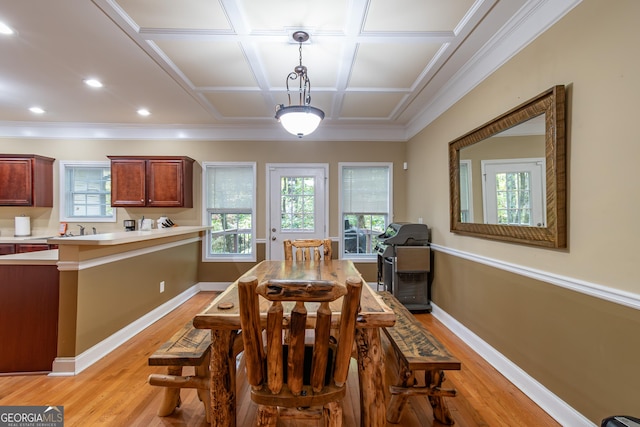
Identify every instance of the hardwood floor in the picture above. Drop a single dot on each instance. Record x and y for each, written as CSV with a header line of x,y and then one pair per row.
x,y
114,391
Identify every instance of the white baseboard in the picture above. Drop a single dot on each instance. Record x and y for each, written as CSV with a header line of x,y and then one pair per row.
x,y
548,401
213,286
68,366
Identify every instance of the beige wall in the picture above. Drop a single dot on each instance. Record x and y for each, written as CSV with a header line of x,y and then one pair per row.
x,y
293,151
577,346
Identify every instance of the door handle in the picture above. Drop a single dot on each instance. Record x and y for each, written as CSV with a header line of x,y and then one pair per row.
x,y
274,238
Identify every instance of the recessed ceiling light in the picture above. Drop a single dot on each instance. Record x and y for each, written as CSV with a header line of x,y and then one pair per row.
x,y
5,29
36,110
93,82
144,112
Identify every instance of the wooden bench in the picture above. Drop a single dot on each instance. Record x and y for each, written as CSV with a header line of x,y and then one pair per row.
x,y
187,347
417,350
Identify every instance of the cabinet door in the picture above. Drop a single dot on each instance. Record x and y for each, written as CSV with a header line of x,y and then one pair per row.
x,y
17,183
128,182
26,180
7,249
165,181
22,248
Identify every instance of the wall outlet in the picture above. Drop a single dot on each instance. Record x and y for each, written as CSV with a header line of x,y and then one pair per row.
x,y
162,286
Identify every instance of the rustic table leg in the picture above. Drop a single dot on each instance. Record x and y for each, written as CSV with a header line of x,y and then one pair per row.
x,y
223,379
171,395
371,378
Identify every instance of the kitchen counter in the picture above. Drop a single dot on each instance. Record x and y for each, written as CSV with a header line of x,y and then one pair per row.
x,y
115,238
123,237
49,257
24,239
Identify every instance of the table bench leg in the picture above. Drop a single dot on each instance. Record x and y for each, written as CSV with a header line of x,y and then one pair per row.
x,y
434,381
406,387
170,396
202,371
223,379
398,401
371,377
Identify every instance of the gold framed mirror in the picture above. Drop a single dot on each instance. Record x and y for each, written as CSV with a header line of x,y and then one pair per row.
x,y
507,178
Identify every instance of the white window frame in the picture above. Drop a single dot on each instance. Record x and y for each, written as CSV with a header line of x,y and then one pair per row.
x,y
64,165
468,183
206,256
370,257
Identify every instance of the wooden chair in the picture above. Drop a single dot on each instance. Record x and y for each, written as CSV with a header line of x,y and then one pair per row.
x,y
276,372
307,249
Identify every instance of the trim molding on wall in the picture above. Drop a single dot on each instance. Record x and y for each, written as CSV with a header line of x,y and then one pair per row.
x,y
548,401
69,366
214,286
95,262
617,296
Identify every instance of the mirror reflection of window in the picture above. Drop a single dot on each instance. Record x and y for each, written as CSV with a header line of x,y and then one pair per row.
x,y
513,191
466,194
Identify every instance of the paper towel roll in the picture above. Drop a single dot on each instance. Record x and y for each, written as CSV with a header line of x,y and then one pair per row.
x,y
23,226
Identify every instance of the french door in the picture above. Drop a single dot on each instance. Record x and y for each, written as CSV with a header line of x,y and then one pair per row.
x,y
297,207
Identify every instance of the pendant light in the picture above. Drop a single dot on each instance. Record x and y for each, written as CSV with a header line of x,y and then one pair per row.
x,y
299,119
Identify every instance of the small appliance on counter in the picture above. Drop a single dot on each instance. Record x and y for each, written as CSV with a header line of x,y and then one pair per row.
x,y
145,224
129,225
23,226
164,222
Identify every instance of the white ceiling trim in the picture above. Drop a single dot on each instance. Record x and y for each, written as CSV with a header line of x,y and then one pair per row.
x,y
526,26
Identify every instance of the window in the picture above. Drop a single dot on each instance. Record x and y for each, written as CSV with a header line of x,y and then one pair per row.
x,y
365,206
230,210
86,192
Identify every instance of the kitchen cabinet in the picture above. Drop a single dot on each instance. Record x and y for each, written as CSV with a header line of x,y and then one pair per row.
x,y
7,249
21,248
29,297
151,181
27,180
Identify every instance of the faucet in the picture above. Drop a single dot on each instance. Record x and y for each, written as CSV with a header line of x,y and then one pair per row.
x,y
81,230
94,230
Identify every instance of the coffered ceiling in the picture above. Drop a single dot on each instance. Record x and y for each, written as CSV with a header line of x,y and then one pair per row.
x,y
215,69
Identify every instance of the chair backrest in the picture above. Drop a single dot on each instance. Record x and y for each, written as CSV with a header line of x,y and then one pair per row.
x,y
307,249
280,376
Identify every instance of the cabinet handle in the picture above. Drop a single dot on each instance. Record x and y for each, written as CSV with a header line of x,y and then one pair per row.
x,y
149,200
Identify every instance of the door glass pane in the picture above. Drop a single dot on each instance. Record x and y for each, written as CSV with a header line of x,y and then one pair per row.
x,y
297,198
513,198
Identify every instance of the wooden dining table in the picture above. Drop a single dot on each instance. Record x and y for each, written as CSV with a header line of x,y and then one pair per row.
x,y
223,318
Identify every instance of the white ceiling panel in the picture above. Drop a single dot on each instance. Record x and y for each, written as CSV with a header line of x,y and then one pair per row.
x,y
391,65
202,14
280,15
367,106
210,63
426,15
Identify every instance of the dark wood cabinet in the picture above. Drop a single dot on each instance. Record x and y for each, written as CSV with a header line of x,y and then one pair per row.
x,y
7,248
26,180
22,248
156,181
28,317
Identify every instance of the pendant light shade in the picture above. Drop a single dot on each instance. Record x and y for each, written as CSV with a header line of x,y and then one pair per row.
x,y
299,119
